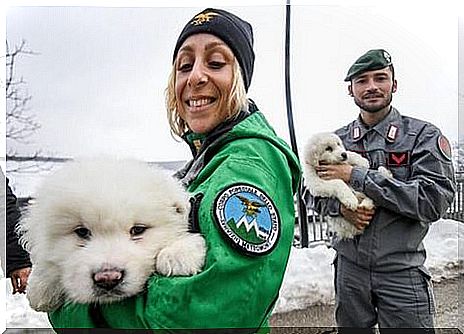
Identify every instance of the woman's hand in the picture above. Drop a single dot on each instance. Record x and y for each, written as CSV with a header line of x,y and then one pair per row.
x,y
19,279
360,218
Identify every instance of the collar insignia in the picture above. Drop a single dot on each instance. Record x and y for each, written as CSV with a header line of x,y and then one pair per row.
x,y
248,219
197,143
392,132
202,18
356,132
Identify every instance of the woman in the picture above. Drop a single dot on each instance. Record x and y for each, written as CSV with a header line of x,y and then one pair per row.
x,y
241,179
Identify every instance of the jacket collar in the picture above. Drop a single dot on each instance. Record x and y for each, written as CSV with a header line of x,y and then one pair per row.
x,y
199,142
388,128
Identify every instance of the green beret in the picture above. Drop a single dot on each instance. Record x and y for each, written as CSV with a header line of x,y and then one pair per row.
x,y
370,61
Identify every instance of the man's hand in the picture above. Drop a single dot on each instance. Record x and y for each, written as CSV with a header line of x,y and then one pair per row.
x,y
331,172
360,218
19,279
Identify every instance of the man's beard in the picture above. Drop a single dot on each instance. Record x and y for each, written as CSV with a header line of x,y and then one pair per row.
x,y
374,108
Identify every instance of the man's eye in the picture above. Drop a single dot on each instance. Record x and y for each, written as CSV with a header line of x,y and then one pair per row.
x,y
137,230
82,232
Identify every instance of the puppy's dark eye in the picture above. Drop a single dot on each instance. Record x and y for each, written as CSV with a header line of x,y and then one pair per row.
x,y
137,230
82,232
178,208
329,149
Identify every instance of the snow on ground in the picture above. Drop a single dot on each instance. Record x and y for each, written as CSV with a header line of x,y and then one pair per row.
x,y
309,276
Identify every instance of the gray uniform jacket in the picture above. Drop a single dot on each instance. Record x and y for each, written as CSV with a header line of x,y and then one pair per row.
x,y
421,190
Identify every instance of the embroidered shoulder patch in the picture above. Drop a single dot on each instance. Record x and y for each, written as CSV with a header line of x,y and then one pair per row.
x,y
444,147
248,219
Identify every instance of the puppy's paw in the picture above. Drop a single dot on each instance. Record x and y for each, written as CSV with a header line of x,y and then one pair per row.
x,y
385,172
355,159
350,201
366,203
184,257
44,295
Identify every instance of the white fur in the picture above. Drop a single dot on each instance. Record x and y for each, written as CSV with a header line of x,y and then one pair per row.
x,y
107,197
329,148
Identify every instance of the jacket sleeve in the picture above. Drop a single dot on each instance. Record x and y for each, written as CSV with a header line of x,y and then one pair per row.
x,y
16,256
428,191
234,290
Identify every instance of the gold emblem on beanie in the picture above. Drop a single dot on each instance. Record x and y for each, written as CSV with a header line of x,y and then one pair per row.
x,y
202,18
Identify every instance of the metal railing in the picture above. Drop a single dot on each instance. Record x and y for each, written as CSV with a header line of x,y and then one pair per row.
x,y
317,224
456,210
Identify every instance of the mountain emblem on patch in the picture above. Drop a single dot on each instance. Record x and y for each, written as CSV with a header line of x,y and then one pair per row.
x,y
248,219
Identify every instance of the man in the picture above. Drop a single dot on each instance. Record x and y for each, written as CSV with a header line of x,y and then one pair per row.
x,y
18,264
380,278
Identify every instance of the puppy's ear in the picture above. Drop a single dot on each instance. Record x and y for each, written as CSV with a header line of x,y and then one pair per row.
x,y
310,153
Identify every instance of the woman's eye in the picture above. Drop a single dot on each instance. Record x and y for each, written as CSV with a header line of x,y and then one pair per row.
x,y
216,64
184,67
82,232
137,230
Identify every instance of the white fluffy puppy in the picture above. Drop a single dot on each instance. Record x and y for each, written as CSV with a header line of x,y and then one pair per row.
x,y
99,228
328,148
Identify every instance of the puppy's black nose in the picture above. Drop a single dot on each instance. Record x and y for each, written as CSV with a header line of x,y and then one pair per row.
x,y
344,156
108,278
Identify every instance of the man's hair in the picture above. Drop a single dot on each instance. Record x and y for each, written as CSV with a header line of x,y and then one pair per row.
x,y
236,101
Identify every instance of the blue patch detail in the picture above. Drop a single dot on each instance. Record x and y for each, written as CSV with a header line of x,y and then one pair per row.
x,y
248,219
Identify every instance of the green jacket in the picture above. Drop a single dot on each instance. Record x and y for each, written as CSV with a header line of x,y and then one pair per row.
x,y
242,170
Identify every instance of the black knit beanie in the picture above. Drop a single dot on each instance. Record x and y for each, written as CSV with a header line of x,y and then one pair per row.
x,y
235,32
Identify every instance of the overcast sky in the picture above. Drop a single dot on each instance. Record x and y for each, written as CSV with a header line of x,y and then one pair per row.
x,y
97,83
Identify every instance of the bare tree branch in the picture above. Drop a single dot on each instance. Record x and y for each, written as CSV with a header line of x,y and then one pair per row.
x,y
20,122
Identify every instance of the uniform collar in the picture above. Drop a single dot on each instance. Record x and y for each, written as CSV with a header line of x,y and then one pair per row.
x,y
388,128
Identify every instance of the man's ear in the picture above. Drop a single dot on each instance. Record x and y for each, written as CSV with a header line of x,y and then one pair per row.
x,y
395,86
350,90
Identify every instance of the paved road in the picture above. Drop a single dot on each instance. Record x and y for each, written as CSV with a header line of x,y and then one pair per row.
x,y
449,295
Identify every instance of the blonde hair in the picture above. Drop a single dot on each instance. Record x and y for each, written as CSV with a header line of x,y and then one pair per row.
x,y
236,101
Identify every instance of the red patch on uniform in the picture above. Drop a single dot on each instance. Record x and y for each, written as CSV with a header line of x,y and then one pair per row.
x,y
445,147
398,158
